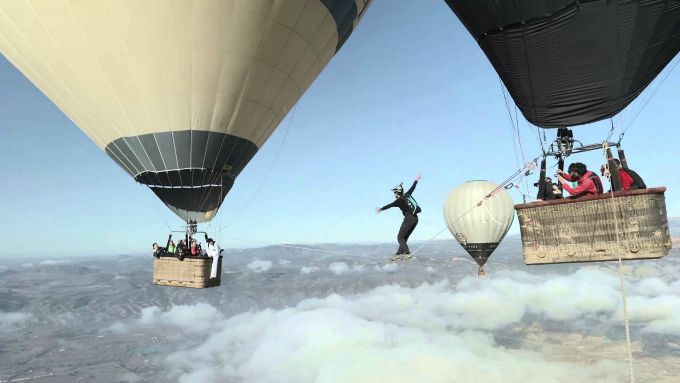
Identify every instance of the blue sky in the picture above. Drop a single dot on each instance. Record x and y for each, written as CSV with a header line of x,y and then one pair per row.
x,y
409,93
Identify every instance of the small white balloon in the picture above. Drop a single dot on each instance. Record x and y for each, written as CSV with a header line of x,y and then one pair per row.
x,y
479,227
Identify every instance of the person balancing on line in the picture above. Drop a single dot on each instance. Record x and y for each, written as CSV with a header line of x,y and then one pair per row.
x,y
409,207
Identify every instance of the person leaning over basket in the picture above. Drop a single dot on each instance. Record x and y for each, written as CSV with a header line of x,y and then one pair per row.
x,y
588,183
630,180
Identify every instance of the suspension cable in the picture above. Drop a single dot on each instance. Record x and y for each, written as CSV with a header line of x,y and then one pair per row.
x,y
525,171
615,206
649,98
264,180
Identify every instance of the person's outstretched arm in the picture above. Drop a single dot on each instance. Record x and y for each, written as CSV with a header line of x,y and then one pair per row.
x,y
379,209
413,187
564,175
580,189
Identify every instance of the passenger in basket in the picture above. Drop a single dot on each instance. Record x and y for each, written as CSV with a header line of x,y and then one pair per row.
x,y
194,248
157,250
171,247
630,180
550,192
588,183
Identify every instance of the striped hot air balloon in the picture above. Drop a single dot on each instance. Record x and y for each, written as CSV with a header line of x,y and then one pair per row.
x,y
180,93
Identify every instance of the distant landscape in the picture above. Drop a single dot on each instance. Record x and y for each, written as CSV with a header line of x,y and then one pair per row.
x,y
345,314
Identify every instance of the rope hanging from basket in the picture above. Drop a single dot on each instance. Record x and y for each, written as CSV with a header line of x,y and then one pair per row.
x,y
614,204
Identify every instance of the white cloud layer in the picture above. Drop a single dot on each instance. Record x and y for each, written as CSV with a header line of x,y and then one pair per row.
x,y
432,333
193,318
119,328
51,262
13,320
388,267
339,268
308,270
259,266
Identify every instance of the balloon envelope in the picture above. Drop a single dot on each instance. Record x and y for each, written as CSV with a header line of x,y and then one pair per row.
x,y
569,62
180,94
478,229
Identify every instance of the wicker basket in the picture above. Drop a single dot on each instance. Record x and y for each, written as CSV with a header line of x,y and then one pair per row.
x,y
190,272
584,229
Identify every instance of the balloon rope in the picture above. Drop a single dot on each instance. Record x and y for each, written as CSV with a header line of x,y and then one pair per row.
x,y
264,180
431,239
508,180
513,129
456,220
161,212
527,167
658,85
614,204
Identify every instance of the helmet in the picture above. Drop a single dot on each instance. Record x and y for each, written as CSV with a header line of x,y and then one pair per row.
x,y
399,188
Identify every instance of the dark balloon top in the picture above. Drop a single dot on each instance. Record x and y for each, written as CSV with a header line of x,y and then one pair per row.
x,y
569,62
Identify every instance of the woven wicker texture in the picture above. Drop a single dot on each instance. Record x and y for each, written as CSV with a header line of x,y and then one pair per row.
x,y
585,230
190,272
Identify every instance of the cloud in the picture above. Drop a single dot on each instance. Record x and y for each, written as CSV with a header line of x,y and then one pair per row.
x,y
130,377
119,328
389,267
309,270
284,262
193,318
391,333
13,320
338,268
434,332
66,319
662,313
259,266
28,264
50,262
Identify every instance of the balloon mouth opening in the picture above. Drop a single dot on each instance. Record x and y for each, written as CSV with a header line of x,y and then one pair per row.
x,y
193,200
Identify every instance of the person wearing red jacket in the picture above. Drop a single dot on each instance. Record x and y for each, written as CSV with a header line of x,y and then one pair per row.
x,y
588,182
628,181
194,248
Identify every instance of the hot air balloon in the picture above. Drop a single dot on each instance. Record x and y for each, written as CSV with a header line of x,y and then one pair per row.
x,y
567,63
180,94
479,214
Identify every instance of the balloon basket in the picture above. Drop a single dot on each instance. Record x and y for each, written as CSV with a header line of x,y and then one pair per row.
x,y
481,272
631,225
189,272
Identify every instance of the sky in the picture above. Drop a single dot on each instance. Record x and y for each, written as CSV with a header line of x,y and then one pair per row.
x,y
410,92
